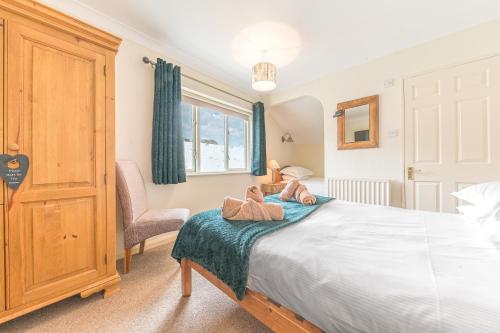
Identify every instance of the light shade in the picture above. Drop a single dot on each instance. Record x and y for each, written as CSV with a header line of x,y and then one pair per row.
x,y
273,164
264,76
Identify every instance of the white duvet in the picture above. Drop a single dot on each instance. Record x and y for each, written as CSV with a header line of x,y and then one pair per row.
x,y
359,268
315,185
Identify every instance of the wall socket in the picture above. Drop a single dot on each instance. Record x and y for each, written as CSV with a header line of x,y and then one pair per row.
x,y
389,83
393,133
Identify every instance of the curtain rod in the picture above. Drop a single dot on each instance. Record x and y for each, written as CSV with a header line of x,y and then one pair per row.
x,y
146,60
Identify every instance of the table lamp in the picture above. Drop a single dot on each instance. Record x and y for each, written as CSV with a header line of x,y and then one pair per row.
x,y
274,166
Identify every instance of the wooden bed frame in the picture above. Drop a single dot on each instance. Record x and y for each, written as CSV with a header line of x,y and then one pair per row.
x,y
273,315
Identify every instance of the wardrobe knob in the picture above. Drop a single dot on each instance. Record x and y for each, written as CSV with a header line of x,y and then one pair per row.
x,y
13,146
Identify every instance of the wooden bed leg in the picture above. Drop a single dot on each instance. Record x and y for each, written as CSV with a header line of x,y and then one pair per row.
x,y
186,277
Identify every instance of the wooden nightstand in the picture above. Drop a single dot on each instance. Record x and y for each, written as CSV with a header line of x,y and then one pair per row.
x,y
272,188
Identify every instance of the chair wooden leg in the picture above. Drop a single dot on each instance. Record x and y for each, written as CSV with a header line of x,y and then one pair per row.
x,y
186,279
127,260
141,248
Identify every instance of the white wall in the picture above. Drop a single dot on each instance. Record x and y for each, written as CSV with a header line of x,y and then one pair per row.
x,y
276,150
134,110
368,79
310,156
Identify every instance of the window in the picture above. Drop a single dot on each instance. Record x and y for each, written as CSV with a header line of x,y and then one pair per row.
x,y
187,133
216,139
236,142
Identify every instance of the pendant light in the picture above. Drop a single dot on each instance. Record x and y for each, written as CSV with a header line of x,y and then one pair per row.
x,y
264,75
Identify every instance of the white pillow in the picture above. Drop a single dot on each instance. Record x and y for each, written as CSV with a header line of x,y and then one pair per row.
x,y
491,232
477,213
297,172
486,195
288,178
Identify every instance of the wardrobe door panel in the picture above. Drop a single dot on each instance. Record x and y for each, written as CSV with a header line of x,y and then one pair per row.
x,y
56,116
60,234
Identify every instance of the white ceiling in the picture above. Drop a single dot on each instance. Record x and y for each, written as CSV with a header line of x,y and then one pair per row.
x,y
335,34
302,118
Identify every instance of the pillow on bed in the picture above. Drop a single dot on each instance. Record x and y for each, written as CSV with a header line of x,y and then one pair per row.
x,y
490,222
485,195
478,213
491,232
297,172
288,178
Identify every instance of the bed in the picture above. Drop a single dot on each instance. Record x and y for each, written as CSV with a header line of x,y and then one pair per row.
x,y
315,185
361,268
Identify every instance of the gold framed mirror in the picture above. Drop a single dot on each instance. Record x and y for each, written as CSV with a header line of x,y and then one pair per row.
x,y
357,123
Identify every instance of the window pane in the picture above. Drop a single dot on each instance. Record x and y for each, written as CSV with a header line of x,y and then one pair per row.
x,y
211,140
187,133
236,141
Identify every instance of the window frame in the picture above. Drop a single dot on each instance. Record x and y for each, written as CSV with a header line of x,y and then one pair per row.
x,y
227,111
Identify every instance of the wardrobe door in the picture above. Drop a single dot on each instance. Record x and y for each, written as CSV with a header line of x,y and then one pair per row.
x,y
56,116
2,228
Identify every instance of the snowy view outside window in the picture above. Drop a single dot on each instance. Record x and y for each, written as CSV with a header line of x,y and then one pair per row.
x,y
236,142
187,132
212,139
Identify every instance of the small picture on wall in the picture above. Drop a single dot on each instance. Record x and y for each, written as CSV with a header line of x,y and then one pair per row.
x,y
362,135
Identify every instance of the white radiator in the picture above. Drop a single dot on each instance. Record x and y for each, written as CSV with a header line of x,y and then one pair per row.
x,y
368,191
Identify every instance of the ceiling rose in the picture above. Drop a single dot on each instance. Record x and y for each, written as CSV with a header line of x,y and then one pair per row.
x,y
280,41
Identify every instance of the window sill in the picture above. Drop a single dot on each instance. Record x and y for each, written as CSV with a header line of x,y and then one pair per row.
x,y
218,173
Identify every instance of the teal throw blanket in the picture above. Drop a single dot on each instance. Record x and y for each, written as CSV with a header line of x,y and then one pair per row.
x,y
223,247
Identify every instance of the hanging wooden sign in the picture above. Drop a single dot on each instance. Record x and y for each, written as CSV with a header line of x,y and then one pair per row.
x,y
13,169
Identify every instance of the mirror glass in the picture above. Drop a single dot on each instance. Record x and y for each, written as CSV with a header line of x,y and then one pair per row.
x,y
357,124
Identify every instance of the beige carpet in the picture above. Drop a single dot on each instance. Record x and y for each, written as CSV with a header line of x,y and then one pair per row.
x,y
149,301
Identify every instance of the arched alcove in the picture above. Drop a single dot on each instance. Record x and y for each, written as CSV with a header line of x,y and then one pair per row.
x,y
303,119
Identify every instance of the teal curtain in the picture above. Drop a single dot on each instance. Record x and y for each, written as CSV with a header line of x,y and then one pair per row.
x,y
167,153
259,160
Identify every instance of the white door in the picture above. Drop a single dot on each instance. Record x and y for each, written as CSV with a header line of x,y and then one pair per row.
x,y
452,132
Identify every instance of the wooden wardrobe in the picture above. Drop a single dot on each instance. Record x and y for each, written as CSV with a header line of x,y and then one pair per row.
x,y
57,229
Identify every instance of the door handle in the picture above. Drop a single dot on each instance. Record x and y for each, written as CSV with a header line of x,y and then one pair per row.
x,y
412,171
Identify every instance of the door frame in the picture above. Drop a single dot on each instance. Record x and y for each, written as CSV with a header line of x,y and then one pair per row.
x,y
403,106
